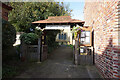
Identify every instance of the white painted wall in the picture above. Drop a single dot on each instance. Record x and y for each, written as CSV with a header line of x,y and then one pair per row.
x,y
57,27
17,40
64,29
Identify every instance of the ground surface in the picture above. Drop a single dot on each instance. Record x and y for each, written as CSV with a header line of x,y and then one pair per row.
x,y
60,65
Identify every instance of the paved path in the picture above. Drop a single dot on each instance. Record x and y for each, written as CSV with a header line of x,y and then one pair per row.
x,y
60,65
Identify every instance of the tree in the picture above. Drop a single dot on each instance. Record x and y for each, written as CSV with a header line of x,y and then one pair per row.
x,y
24,13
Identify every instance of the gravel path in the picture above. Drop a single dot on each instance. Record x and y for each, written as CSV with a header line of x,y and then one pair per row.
x,y
60,65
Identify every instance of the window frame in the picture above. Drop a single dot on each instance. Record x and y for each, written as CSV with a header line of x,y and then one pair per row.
x,y
6,14
86,29
62,36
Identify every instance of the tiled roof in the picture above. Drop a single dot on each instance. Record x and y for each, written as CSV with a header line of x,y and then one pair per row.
x,y
59,19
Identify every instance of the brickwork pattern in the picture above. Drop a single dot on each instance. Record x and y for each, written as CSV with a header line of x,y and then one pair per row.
x,y
4,12
104,17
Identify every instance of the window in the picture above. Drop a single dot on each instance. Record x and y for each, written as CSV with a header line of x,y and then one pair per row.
x,y
6,14
85,37
62,36
59,36
65,36
82,50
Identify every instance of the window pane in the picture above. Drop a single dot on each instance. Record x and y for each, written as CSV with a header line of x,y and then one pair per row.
x,y
85,37
87,40
83,34
82,40
81,50
65,36
6,14
87,33
59,36
62,36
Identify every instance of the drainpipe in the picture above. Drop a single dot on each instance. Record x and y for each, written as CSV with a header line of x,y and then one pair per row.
x,y
93,43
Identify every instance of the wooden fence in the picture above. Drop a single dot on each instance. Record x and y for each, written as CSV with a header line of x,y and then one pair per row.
x,y
30,52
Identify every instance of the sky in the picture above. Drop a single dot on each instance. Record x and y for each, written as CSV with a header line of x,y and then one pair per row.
x,y
78,8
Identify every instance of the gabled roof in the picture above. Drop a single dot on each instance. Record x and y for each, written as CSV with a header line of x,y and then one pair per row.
x,y
59,19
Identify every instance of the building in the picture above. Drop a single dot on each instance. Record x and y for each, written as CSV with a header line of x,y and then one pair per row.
x,y
62,23
104,18
18,42
5,11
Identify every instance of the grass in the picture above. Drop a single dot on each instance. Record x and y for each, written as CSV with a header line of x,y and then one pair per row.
x,y
70,46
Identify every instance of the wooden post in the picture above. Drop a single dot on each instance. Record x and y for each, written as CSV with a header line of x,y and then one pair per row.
x,y
39,46
76,50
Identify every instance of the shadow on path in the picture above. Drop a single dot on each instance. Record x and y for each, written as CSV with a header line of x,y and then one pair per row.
x,y
60,65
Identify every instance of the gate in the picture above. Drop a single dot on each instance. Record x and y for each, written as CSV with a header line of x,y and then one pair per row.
x,y
83,51
86,57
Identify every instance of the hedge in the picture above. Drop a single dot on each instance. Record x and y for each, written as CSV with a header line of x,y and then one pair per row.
x,y
8,34
29,38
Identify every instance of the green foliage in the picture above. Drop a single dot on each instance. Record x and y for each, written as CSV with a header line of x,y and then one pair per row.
x,y
24,13
50,40
70,46
8,34
29,38
75,30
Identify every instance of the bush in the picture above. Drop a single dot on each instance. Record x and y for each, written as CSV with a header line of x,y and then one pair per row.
x,y
29,38
8,34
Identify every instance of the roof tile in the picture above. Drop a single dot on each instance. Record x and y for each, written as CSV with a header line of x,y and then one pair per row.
x,y
59,19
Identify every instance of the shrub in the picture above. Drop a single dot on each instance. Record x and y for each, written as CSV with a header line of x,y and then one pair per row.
x,y
8,34
29,38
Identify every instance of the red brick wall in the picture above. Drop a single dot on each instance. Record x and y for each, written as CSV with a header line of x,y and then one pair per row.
x,y
4,14
104,18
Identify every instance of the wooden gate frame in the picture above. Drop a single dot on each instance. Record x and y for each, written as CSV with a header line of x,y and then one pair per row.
x,y
78,44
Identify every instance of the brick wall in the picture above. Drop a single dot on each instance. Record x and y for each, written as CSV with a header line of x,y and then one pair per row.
x,y
5,10
104,17
5,14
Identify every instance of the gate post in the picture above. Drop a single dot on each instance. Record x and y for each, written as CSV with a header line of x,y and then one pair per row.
x,y
76,50
39,45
